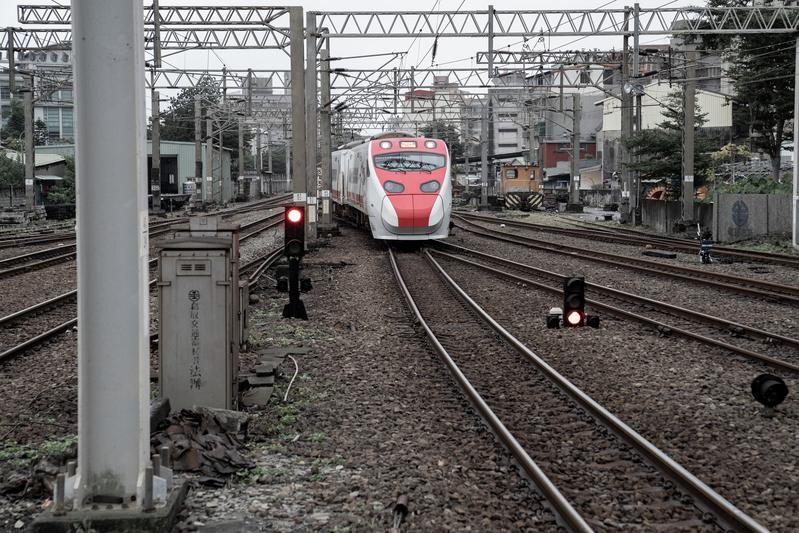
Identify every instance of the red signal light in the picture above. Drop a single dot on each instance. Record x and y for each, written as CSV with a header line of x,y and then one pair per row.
x,y
574,318
294,215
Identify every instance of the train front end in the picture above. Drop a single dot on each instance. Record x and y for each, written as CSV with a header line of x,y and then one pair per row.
x,y
412,198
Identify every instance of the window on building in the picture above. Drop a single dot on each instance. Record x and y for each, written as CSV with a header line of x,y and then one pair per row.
x,y
54,57
511,173
67,124
5,93
585,77
507,130
507,145
52,117
5,111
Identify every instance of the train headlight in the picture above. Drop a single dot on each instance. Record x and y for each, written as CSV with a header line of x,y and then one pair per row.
x,y
385,144
430,186
430,144
393,186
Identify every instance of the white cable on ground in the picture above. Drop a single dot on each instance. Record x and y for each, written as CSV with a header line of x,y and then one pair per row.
x,y
296,371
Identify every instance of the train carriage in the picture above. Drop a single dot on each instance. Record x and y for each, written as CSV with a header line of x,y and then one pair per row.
x,y
397,185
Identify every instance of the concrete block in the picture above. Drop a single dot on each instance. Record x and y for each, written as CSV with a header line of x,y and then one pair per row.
x,y
661,254
779,214
115,518
739,217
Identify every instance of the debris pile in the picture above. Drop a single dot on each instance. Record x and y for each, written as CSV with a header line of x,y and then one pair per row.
x,y
206,441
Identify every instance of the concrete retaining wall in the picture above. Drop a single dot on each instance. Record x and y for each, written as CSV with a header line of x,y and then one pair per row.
x,y
738,217
600,197
663,215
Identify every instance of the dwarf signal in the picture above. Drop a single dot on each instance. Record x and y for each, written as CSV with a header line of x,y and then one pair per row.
x,y
574,302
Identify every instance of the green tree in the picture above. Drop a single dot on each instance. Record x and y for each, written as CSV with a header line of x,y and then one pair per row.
x,y
762,71
12,174
177,122
660,149
40,134
15,126
447,133
65,192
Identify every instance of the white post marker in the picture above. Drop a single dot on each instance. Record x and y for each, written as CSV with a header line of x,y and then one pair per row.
x,y
112,252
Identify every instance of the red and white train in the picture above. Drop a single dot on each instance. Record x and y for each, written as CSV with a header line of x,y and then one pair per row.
x,y
397,185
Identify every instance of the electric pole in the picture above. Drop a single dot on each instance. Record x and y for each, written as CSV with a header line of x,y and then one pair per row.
x,y
155,181
199,179
326,218
689,106
574,184
298,170
240,179
484,156
30,155
795,202
311,126
635,179
209,161
626,125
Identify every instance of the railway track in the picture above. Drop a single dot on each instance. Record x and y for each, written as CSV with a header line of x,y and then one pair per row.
x,y
752,343
41,322
51,256
156,228
634,238
596,472
763,289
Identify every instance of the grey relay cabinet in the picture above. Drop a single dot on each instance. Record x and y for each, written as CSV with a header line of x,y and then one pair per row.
x,y
198,315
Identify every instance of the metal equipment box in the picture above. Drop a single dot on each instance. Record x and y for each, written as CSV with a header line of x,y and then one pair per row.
x,y
198,315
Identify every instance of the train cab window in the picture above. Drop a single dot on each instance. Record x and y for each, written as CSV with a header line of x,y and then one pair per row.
x,y
511,173
405,161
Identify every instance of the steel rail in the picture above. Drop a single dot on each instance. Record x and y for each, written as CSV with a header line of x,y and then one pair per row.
x,y
42,337
678,272
261,264
728,515
564,510
586,233
736,327
756,356
723,249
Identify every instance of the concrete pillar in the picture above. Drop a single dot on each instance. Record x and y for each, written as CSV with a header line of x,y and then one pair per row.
x,y
689,107
30,154
198,146
795,203
112,251
484,156
311,131
300,183
208,185
574,183
325,144
155,185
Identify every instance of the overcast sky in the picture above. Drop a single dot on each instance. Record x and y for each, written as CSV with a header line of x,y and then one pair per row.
x,y
455,53
451,52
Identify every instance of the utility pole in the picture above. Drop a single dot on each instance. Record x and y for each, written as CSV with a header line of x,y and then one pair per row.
x,y
311,131
626,125
269,160
155,182
30,155
326,149
484,156
689,107
199,178
241,154
635,189
209,161
12,80
258,159
298,167
795,202
574,184
223,183
114,461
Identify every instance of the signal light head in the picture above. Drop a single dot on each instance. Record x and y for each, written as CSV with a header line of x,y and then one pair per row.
x,y
294,215
574,318
769,390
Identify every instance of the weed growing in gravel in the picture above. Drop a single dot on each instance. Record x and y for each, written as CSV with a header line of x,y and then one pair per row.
x,y
22,454
251,475
316,437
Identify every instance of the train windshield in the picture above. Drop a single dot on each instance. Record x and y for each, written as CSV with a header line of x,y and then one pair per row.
x,y
404,161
